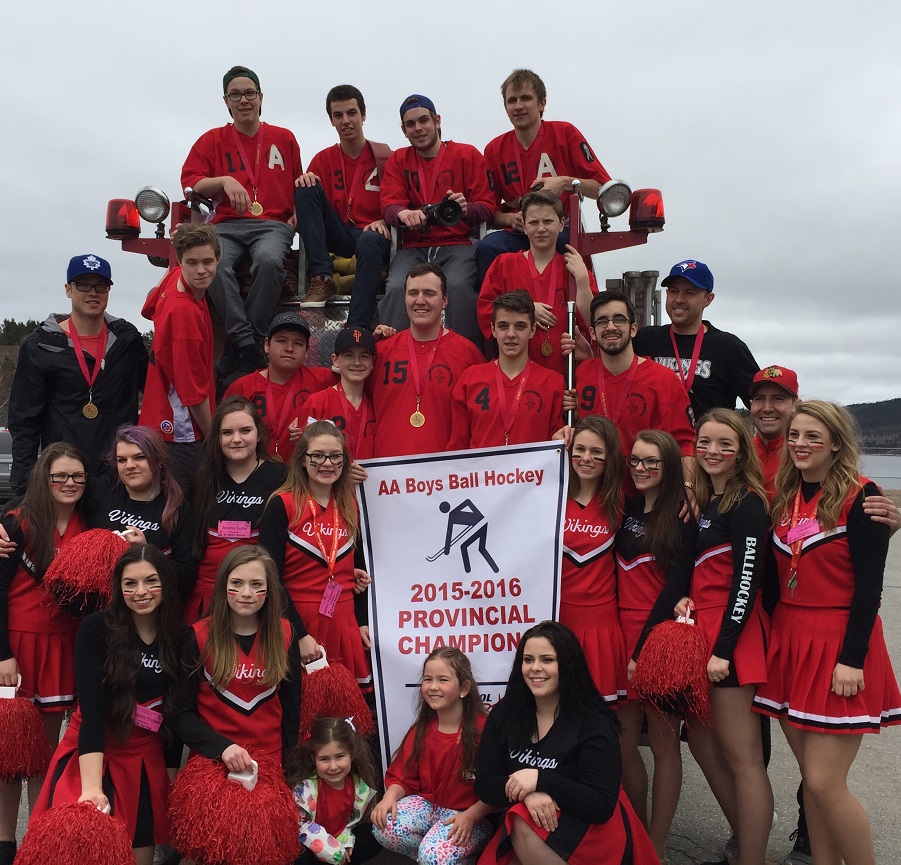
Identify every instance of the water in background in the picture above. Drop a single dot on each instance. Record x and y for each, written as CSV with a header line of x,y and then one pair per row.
x,y
883,470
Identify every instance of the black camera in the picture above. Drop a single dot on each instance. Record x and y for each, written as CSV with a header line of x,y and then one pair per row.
x,y
446,213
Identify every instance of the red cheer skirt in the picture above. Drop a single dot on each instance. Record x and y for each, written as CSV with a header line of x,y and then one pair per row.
x,y
601,637
47,665
805,643
632,622
621,839
749,657
340,635
124,762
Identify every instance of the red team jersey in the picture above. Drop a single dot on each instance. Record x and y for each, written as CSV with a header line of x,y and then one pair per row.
x,y
769,452
246,709
357,424
339,173
296,391
558,150
180,373
512,271
394,391
275,159
655,400
411,181
479,421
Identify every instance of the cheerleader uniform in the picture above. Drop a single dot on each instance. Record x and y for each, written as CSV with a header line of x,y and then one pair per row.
x,y
234,521
134,775
113,509
725,584
301,546
247,712
645,593
829,616
33,629
588,595
579,766
434,789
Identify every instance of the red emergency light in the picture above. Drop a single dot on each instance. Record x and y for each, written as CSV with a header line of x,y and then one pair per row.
x,y
646,210
122,220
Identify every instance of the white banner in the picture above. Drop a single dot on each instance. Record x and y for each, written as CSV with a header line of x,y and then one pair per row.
x,y
464,549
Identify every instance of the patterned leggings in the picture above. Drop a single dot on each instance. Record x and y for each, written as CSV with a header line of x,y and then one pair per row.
x,y
419,832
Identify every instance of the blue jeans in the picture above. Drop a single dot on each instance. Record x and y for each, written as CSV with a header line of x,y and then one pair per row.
x,y
267,241
322,231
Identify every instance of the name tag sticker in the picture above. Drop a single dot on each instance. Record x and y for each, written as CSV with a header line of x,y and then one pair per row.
x,y
148,719
233,529
803,530
330,598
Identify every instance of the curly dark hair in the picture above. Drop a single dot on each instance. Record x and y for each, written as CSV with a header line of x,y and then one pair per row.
x,y
123,658
301,764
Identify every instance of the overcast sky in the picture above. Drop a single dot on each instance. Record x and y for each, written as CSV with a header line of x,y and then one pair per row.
x,y
772,128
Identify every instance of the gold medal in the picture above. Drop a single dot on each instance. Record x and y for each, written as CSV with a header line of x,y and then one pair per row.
x,y
417,419
546,348
256,208
90,411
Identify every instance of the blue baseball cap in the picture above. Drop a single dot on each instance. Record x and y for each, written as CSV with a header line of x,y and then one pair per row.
x,y
416,101
88,265
696,272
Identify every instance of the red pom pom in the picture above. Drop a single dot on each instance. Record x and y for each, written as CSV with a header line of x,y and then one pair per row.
x,y
24,749
671,672
80,577
333,692
75,834
215,820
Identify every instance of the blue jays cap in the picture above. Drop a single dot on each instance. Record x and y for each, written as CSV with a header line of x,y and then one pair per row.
x,y
416,101
87,265
696,272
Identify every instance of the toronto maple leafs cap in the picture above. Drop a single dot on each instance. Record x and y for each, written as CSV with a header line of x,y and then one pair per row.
x,y
88,265
696,272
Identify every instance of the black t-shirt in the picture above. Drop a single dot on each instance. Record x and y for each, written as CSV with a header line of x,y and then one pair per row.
x,y
725,369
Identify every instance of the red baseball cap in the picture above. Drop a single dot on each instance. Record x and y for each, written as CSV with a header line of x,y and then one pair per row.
x,y
782,376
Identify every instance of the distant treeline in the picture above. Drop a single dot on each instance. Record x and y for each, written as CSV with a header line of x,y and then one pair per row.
x,y
880,423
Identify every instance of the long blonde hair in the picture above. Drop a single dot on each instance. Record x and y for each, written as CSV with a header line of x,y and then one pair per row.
x,y
842,477
220,654
298,481
748,474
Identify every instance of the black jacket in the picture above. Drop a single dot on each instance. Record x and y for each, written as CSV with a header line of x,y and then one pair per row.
x,y
49,391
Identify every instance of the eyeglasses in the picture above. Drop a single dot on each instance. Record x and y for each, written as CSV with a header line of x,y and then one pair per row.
x,y
60,478
650,464
618,320
317,459
238,95
584,455
99,287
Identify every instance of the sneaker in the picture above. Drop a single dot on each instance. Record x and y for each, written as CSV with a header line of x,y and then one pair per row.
x,y
800,854
250,359
225,366
320,290
730,851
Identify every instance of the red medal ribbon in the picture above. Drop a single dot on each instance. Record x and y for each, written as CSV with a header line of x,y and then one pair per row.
x,y
280,424
553,269
348,196
348,414
602,390
429,170
253,176
79,355
332,556
509,417
414,363
796,546
688,380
